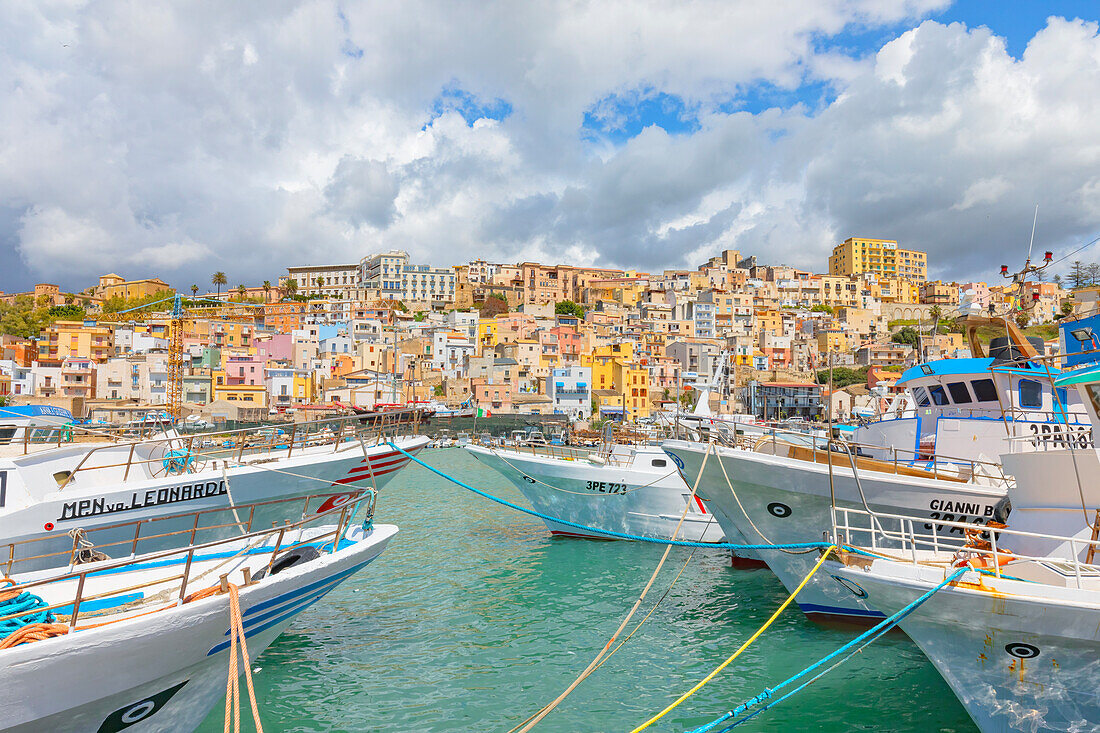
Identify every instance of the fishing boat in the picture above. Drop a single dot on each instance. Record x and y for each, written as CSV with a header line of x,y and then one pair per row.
x,y
27,428
146,643
620,488
1015,635
779,489
82,487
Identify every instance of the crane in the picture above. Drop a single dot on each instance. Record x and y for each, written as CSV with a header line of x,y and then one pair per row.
x,y
178,317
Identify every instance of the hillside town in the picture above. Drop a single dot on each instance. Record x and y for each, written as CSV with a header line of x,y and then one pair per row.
x,y
527,338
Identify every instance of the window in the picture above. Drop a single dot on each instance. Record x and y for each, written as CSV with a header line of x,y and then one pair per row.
x,y
984,390
937,394
1063,399
921,397
960,395
1031,393
660,462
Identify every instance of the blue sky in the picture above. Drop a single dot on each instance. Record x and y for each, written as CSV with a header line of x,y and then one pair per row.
x,y
621,116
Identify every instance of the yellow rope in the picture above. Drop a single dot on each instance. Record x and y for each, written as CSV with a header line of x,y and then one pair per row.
x,y
546,710
232,685
742,648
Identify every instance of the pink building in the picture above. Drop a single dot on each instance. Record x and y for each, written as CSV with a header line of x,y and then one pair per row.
x,y
244,370
275,347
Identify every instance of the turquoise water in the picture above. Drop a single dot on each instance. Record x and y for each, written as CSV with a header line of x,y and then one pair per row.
x,y
474,618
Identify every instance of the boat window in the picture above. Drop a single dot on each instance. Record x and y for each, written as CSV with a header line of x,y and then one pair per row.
x,y
1031,393
660,462
984,390
6,433
960,395
1063,398
937,394
921,397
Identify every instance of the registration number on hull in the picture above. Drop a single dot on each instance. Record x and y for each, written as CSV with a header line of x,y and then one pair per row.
x,y
606,487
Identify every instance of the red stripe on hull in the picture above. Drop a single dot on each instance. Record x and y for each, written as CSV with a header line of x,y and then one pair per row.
x,y
367,477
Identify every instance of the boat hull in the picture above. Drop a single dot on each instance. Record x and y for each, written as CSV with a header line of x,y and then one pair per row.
x,y
612,498
1015,663
775,499
164,670
168,503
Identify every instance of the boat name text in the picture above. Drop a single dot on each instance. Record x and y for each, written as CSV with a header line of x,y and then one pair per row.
x,y
154,497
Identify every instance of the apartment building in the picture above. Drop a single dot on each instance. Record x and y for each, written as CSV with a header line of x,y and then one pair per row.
x,y
857,255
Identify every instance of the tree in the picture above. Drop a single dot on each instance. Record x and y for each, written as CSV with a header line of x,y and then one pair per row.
x,y
194,290
569,308
1067,307
906,335
291,287
439,391
821,308
1077,274
320,282
1058,280
843,376
267,290
1092,274
217,280
1022,319
242,290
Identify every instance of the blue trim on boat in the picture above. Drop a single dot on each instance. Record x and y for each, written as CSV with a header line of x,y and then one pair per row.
x,y
840,611
302,590
101,603
249,633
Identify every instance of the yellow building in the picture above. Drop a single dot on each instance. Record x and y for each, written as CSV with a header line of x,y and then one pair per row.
x,y
247,395
64,339
836,341
614,369
880,256
116,286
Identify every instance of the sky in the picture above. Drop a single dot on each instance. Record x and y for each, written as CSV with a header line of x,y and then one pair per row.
x,y
176,139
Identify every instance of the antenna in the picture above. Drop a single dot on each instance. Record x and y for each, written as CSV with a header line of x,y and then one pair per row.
x,y
1034,221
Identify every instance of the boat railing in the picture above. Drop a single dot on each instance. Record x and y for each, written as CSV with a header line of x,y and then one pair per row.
x,y
563,452
987,547
183,455
135,532
278,540
896,460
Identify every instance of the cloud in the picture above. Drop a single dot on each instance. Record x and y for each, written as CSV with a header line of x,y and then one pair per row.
x,y
174,139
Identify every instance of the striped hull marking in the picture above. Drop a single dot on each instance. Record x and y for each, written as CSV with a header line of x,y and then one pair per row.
x,y
275,610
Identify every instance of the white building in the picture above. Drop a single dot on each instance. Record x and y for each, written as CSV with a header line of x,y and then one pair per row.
x,y
21,377
449,351
570,388
336,281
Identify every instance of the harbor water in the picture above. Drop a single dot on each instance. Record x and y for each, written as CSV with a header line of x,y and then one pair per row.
x,y
475,617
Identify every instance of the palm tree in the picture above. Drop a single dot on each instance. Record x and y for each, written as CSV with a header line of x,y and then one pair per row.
x,y
291,287
241,290
267,290
194,290
218,279
320,284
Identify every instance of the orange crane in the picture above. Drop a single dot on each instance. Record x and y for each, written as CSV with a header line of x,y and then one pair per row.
x,y
177,318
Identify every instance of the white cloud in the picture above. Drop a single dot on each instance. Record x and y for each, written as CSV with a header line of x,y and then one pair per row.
x,y
186,139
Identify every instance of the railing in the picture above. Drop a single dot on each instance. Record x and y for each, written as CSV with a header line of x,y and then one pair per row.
x,y
187,553
936,465
908,542
11,549
179,455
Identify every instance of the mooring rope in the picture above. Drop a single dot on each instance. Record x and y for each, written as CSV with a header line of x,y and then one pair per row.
x,y
637,604
608,532
699,685
233,683
860,641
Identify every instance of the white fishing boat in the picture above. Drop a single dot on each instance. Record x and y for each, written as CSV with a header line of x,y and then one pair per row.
x,y
628,489
1015,636
89,486
145,644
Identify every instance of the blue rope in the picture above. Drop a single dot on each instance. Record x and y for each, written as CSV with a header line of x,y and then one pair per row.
x,y
33,610
866,637
611,533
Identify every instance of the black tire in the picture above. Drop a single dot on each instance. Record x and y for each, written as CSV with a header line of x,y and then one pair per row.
x,y
297,556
